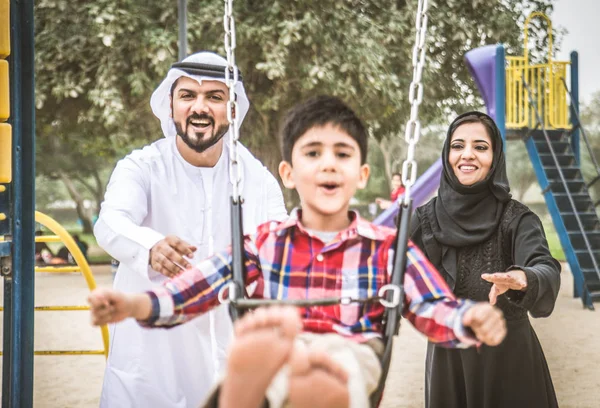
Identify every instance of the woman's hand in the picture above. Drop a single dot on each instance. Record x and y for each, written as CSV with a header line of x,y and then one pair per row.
x,y
503,281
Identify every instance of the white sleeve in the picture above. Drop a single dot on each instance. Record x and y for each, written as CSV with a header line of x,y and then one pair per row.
x,y
118,229
276,210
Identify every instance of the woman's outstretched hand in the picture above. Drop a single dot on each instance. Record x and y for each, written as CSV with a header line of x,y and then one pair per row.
x,y
503,281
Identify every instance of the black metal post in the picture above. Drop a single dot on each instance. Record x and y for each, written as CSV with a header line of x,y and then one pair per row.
x,y
22,79
575,106
183,44
237,249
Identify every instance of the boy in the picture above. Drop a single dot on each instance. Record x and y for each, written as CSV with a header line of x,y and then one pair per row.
x,y
322,250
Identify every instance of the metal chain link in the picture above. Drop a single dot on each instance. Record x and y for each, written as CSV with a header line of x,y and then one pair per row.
x,y
231,79
415,96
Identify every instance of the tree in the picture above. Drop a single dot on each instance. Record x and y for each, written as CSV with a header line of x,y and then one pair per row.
x,y
590,119
98,63
92,94
519,169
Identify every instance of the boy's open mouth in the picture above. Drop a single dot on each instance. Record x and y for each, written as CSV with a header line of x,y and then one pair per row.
x,y
329,187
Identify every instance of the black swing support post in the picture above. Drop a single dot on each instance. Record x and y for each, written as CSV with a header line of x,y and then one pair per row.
x,y
392,316
237,264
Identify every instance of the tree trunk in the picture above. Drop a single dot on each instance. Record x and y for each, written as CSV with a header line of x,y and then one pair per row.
x,y
75,196
99,191
96,188
270,155
387,160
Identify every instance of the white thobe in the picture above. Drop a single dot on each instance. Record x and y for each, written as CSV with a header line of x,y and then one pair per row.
x,y
152,193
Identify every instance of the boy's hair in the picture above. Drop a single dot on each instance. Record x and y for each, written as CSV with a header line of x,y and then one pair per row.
x,y
318,112
397,174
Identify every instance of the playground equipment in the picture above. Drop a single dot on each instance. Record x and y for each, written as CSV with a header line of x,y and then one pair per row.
x,y
17,200
61,235
533,102
537,103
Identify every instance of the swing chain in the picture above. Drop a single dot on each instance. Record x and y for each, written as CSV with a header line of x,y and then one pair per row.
x,y
231,79
415,96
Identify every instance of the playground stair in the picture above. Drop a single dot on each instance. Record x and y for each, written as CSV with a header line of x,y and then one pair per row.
x,y
571,207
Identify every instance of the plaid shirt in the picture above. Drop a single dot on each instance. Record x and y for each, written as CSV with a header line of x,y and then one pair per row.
x,y
288,262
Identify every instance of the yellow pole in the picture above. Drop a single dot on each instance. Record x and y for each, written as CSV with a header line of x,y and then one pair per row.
x,y
57,269
73,248
56,308
526,35
67,352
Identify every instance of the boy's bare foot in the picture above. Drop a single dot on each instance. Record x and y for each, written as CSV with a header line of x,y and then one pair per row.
x,y
263,342
316,381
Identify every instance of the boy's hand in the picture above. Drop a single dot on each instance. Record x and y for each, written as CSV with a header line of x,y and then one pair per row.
x,y
503,281
111,306
167,256
487,322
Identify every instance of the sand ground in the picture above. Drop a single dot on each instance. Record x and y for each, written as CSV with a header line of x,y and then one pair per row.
x,y
570,338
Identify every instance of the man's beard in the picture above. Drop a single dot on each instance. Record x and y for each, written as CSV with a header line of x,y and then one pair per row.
x,y
200,145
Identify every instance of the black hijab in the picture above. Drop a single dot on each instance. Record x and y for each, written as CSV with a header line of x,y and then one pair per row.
x,y
462,215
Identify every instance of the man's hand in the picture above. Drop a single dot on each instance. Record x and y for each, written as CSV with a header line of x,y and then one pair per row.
x,y
111,306
503,281
487,322
167,256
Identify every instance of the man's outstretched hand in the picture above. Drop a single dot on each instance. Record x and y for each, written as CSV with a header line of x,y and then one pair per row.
x,y
167,256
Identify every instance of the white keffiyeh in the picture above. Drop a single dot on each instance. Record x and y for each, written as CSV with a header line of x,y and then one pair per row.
x,y
160,102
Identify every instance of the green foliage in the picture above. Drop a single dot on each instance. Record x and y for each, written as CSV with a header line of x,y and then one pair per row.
x,y
98,63
519,169
553,241
590,119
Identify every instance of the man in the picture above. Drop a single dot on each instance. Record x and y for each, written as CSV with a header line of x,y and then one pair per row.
x,y
167,207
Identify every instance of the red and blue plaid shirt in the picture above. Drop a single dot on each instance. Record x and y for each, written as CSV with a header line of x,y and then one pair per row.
x,y
288,262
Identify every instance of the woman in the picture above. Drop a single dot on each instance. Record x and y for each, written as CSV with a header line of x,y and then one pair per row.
x,y
487,246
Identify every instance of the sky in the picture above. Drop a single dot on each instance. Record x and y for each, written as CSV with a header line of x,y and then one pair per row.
x,y
580,19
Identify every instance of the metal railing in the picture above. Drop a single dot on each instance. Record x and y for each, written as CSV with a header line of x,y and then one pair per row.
x,y
61,235
539,122
545,79
551,101
586,141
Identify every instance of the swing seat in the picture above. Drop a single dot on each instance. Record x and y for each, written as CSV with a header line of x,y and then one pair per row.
x,y
391,296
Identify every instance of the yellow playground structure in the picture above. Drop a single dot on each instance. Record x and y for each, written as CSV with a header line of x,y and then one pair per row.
x,y
61,235
546,80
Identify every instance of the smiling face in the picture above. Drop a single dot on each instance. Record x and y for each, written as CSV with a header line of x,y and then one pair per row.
x,y
199,112
396,181
471,153
326,171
